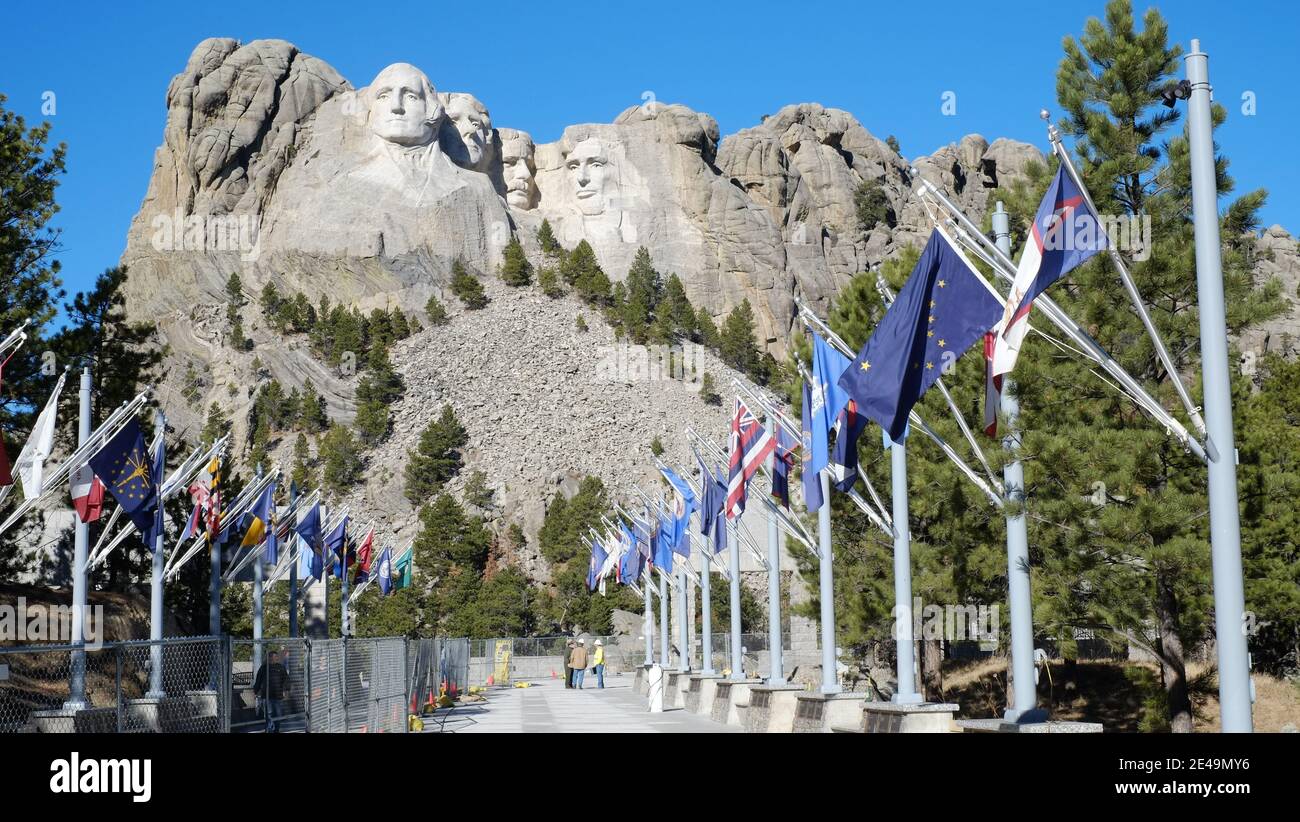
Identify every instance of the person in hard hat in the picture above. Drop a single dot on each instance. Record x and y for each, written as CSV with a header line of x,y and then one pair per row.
x,y
598,663
579,662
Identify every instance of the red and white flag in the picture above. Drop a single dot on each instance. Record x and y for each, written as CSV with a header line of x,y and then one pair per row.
x,y
87,494
992,385
751,444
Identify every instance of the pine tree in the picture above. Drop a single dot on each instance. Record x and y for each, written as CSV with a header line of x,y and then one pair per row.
x,y
340,459
546,239
515,268
736,343
550,282
437,457
465,286
301,474
581,271
451,550
706,331
644,289
435,311
311,409
398,325
677,307
872,206
709,390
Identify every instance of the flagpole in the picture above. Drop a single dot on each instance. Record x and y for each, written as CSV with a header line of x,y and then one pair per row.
x,y
258,611
81,541
324,573
664,603
737,655
647,623
293,563
776,671
684,653
1024,676
1225,528
706,609
156,587
826,588
214,568
905,693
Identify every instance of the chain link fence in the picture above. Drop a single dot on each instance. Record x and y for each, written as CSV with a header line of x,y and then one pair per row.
x,y
176,685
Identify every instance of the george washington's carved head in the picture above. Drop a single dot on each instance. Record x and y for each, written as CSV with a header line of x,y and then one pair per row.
x,y
404,107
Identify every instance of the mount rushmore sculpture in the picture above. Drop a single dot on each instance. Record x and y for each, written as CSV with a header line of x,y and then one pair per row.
x,y
275,167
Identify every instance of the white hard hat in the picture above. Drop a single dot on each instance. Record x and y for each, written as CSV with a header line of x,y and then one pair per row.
x,y
582,642
598,642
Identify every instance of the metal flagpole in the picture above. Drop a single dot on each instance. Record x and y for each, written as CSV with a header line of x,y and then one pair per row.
x,y
906,691
664,645
156,591
684,649
1225,528
776,672
706,609
826,588
737,656
293,564
647,624
81,541
325,572
258,612
1024,676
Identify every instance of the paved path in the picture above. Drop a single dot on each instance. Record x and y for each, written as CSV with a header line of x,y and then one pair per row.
x,y
549,707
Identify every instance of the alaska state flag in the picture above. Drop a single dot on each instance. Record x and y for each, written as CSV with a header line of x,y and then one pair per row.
x,y
944,307
124,466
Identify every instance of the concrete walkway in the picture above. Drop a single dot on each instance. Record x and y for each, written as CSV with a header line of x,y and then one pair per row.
x,y
549,707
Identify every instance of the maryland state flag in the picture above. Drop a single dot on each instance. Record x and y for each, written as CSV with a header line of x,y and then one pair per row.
x,y
123,464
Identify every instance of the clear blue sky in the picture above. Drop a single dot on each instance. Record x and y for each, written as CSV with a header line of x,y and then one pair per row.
x,y
542,66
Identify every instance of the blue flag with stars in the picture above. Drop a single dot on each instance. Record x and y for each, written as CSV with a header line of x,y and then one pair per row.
x,y
942,310
123,465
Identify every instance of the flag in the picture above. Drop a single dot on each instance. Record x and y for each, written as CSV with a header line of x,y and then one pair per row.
x,y
828,399
308,530
155,529
402,568
258,518
1065,233
31,460
992,385
750,445
629,563
782,460
598,555
201,499
944,307
610,563
684,504
123,465
364,556
844,456
336,542
812,486
385,572
87,494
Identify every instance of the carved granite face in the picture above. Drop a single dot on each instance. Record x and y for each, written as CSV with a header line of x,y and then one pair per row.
x,y
592,176
473,124
518,168
404,108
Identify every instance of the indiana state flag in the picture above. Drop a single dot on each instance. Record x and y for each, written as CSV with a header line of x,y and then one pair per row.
x,y
944,307
124,466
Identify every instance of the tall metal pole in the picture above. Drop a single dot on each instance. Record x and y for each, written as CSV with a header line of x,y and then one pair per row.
x,y
737,652
293,566
156,594
706,612
683,636
664,645
647,623
1023,674
1225,529
258,610
826,590
345,625
80,545
776,666
906,691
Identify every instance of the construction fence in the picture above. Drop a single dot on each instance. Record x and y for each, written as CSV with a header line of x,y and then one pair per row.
x,y
213,685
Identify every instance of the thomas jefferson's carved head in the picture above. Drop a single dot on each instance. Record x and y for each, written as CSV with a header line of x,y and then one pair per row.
x,y
404,107
474,126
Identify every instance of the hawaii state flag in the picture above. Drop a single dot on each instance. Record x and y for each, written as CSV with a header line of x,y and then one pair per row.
x,y
87,494
750,445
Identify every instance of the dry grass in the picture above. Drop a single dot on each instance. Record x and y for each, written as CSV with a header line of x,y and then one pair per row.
x,y
1126,697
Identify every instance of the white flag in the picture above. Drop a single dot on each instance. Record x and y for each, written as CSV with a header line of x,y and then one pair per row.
x,y
31,462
